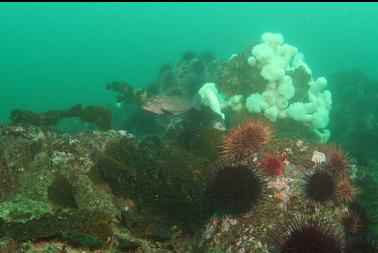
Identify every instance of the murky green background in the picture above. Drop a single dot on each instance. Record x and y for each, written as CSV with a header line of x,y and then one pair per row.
x,y
53,55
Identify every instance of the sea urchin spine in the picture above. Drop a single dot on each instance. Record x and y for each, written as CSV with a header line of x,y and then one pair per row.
x,y
345,190
235,189
336,160
320,186
246,139
273,164
351,222
307,235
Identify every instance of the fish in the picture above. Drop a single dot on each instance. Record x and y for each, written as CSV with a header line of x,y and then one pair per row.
x,y
161,104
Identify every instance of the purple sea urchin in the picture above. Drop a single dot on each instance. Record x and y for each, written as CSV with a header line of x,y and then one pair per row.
x,y
320,186
235,189
307,235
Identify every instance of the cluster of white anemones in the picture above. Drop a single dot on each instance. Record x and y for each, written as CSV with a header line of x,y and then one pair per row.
x,y
275,58
209,97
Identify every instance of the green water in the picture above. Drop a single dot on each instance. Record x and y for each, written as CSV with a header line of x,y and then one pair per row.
x,y
54,55
191,164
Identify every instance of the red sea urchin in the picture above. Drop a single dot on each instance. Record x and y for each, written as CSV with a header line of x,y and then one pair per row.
x,y
351,222
345,190
320,186
273,164
307,235
246,139
235,189
336,160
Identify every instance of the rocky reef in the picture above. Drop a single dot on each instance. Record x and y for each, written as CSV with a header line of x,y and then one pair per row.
x,y
357,95
196,166
107,190
269,80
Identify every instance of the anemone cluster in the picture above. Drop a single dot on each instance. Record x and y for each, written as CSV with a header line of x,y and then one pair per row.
x,y
289,89
275,59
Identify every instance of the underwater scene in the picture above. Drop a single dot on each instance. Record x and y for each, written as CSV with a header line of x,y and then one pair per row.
x,y
188,127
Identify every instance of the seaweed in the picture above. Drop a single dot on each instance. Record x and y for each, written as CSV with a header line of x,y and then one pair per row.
x,y
61,193
97,115
126,93
236,77
185,77
368,182
164,180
